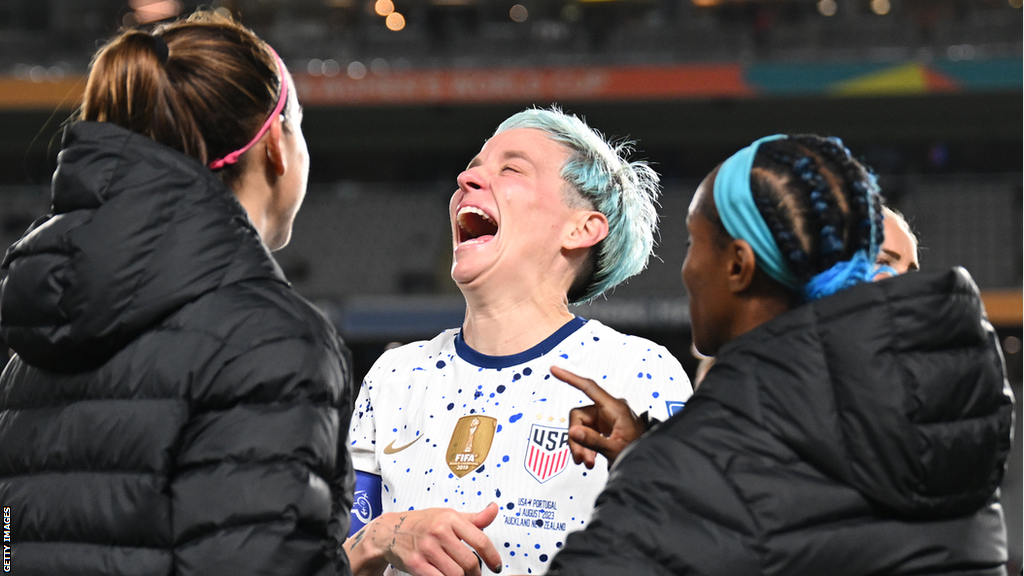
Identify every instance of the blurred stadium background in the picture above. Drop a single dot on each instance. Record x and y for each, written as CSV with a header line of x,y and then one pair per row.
x,y
401,94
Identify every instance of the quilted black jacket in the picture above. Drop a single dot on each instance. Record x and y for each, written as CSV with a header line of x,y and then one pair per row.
x,y
174,407
865,433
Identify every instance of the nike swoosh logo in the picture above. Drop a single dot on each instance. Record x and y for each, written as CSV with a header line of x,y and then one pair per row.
x,y
390,448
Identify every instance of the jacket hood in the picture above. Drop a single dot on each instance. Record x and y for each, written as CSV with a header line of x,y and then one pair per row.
x,y
896,388
137,230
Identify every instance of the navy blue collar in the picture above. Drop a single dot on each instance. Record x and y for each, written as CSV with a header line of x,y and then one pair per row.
x,y
484,361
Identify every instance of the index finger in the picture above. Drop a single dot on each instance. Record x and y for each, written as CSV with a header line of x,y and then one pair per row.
x,y
480,544
478,541
585,385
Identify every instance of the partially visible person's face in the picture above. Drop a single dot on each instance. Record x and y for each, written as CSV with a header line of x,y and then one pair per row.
x,y
899,250
705,275
509,215
295,178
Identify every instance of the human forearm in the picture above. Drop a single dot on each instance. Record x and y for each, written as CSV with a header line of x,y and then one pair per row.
x,y
425,542
367,549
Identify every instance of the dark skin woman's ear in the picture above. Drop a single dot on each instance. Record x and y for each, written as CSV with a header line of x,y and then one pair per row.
x,y
742,265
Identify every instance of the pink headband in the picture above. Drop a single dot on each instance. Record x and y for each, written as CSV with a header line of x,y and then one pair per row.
x,y
282,98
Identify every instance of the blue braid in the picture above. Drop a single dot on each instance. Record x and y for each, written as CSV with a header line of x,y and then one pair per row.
x,y
842,275
841,234
861,267
807,170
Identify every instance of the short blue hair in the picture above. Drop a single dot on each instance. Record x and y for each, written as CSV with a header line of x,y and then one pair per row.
x,y
624,191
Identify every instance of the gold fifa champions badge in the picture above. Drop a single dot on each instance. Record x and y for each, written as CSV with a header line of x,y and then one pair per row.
x,y
471,441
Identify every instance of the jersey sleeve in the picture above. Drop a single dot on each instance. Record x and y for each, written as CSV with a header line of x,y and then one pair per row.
x,y
366,502
660,386
362,432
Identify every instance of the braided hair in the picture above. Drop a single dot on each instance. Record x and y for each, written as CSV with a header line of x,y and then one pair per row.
x,y
821,205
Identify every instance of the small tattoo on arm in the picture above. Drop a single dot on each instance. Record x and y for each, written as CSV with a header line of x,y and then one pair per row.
x,y
394,539
357,538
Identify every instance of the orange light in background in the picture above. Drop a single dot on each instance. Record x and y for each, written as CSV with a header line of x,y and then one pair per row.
x,y
384,7
880,7
1016,3
518,13
827,7
395,22
706,3
152,10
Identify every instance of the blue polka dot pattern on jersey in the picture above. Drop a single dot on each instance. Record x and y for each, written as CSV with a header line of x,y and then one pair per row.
x,y
523,405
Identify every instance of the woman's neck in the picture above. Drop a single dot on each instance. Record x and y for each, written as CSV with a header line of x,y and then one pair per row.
x,y
512,325
753,311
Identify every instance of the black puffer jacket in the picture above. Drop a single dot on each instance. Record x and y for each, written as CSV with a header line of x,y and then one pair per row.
x,y
865,433
174,407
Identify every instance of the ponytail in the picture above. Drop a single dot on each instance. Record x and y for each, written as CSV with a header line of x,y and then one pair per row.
x,y
202,85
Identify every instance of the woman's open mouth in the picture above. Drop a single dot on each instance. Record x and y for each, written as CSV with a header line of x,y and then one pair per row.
x,y
475,226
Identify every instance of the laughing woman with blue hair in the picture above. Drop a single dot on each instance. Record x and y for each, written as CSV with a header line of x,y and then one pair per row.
x,y
848,427
601,179
546,214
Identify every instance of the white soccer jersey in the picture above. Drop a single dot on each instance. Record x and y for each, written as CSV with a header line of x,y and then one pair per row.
x,y
446,426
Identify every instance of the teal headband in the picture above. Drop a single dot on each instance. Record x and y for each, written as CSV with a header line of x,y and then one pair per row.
x,y
739,214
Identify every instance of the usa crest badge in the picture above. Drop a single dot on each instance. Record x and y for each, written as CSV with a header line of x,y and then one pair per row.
x,y
470,443
548,454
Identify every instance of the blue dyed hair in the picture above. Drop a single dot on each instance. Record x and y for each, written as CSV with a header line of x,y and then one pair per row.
x,y
625,191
